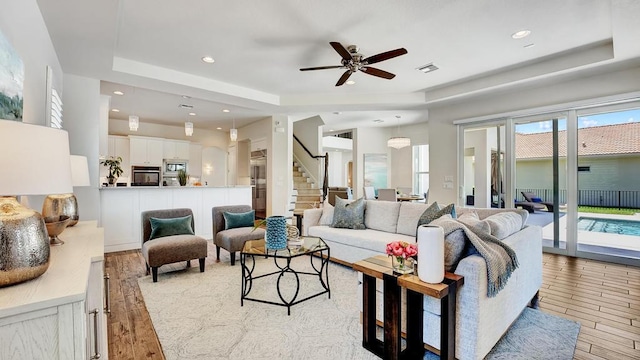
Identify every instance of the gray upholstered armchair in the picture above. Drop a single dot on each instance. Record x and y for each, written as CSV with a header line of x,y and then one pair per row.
x,y
173,248
232,240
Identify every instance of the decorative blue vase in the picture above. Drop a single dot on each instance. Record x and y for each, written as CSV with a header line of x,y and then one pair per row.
x,y
276,236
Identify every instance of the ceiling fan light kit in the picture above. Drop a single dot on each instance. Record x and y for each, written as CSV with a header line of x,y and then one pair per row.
x,y
353,61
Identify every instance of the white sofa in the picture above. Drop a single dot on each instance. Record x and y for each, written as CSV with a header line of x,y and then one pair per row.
x,y
480,321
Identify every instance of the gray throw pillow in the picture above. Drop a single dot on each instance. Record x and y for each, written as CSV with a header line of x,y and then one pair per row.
x,y
504,224
454,245
349,215
471,220
434,212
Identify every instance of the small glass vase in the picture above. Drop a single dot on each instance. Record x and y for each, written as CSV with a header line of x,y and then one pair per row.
x,y
402,265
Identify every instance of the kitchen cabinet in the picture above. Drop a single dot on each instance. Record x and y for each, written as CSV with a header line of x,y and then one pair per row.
x,y
195,160
52,316
176,149
145,151
119,146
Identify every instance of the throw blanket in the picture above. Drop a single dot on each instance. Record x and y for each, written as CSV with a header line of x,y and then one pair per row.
x,y
501,259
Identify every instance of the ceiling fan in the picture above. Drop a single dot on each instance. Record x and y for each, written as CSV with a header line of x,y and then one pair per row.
x,y
353,61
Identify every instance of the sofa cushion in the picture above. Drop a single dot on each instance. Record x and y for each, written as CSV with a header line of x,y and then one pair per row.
x,y
233,220
381,215
161,227
408,217
349,215
327,214
504,224
471,220
434,212
369,239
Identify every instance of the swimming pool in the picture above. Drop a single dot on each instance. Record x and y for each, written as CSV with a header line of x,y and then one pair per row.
x,y
611,226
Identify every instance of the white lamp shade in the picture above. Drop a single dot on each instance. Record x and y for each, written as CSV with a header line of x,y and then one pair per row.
x,y
79,171
35,160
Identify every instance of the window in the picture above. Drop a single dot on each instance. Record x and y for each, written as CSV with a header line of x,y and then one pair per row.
x,y
420,169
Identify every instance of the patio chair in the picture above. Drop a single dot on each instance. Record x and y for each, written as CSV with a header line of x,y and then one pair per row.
x,y
532,198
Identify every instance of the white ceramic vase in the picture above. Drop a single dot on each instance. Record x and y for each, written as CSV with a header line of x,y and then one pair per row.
x,y
431,254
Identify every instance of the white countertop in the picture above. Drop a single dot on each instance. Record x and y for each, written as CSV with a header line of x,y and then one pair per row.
x,y
66,278
171,187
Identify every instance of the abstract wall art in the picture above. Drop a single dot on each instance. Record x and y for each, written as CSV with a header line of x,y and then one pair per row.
x,y
11,81
375,170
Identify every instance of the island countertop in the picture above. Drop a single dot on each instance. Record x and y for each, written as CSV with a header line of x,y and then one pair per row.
x,y
121,209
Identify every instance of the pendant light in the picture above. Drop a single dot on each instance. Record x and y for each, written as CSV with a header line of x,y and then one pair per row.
x,y
188,128
233,133
134,121
398,142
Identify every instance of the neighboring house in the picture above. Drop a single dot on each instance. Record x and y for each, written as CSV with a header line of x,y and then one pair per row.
x,y
608,161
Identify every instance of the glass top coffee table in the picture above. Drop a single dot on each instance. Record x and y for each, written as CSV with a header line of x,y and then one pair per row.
x,y
315,248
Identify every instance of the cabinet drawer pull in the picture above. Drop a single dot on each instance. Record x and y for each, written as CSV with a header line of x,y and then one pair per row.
x,y
96,355
107,290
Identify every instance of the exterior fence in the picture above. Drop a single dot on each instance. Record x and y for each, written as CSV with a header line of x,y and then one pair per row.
x,y
602,198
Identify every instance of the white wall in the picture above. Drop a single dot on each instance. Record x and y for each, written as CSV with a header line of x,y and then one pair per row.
x,y
23,25
82,106
309,131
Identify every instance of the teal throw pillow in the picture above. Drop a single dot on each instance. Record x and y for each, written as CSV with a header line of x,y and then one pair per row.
x,y
172,226
349,215
238,220
434,212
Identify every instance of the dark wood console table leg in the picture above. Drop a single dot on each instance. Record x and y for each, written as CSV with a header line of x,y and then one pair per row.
x,y
448,323
415,325
392,336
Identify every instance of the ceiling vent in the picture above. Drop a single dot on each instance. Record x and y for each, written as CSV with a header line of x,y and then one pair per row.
x,y
185,106
427,68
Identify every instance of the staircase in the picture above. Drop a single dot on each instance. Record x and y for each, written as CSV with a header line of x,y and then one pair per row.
x,y
307,193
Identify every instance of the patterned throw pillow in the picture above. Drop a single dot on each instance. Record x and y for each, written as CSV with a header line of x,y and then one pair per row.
x,y
434,212
349,215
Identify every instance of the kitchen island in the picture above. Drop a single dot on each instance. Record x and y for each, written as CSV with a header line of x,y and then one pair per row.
x,y
121,208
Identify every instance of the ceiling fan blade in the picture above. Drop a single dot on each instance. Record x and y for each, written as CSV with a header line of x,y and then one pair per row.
x,y
384,56
344,77
341,50
322,67
377,72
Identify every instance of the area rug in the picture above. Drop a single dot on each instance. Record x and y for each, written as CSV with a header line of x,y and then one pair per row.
x,y
198,316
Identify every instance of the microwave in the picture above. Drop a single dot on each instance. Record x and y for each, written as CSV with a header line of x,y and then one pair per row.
x,y
171,167
145,176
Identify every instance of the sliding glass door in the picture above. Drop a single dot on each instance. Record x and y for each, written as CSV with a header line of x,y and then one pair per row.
x,y
540,158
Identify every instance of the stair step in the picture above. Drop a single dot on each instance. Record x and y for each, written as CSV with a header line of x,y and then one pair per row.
x,y
302,192
309,198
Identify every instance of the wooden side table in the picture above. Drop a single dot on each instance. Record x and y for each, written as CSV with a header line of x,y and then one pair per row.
x,y
390,348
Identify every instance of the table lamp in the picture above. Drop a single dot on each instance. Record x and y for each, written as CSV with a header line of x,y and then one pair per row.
x,y
67,204
34,161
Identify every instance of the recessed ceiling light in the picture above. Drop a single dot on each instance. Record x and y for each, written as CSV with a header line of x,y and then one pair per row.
x,y
118,92
337,112
186,97
226,110
350,82
192,114
218,128
208,59
115,110
331,130
427,68
520,34
529,45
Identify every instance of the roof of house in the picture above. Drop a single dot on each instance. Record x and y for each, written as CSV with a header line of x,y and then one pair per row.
x,y
595,140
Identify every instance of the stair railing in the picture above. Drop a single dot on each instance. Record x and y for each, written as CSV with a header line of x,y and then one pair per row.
x,y
325,180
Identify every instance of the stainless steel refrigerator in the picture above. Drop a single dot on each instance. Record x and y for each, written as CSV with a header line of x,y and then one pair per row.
x,y
259,182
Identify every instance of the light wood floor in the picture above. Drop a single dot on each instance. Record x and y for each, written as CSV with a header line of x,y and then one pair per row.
x,y
603,297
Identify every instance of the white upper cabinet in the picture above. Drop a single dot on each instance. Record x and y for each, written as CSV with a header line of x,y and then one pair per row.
x,y
145,151
176,149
